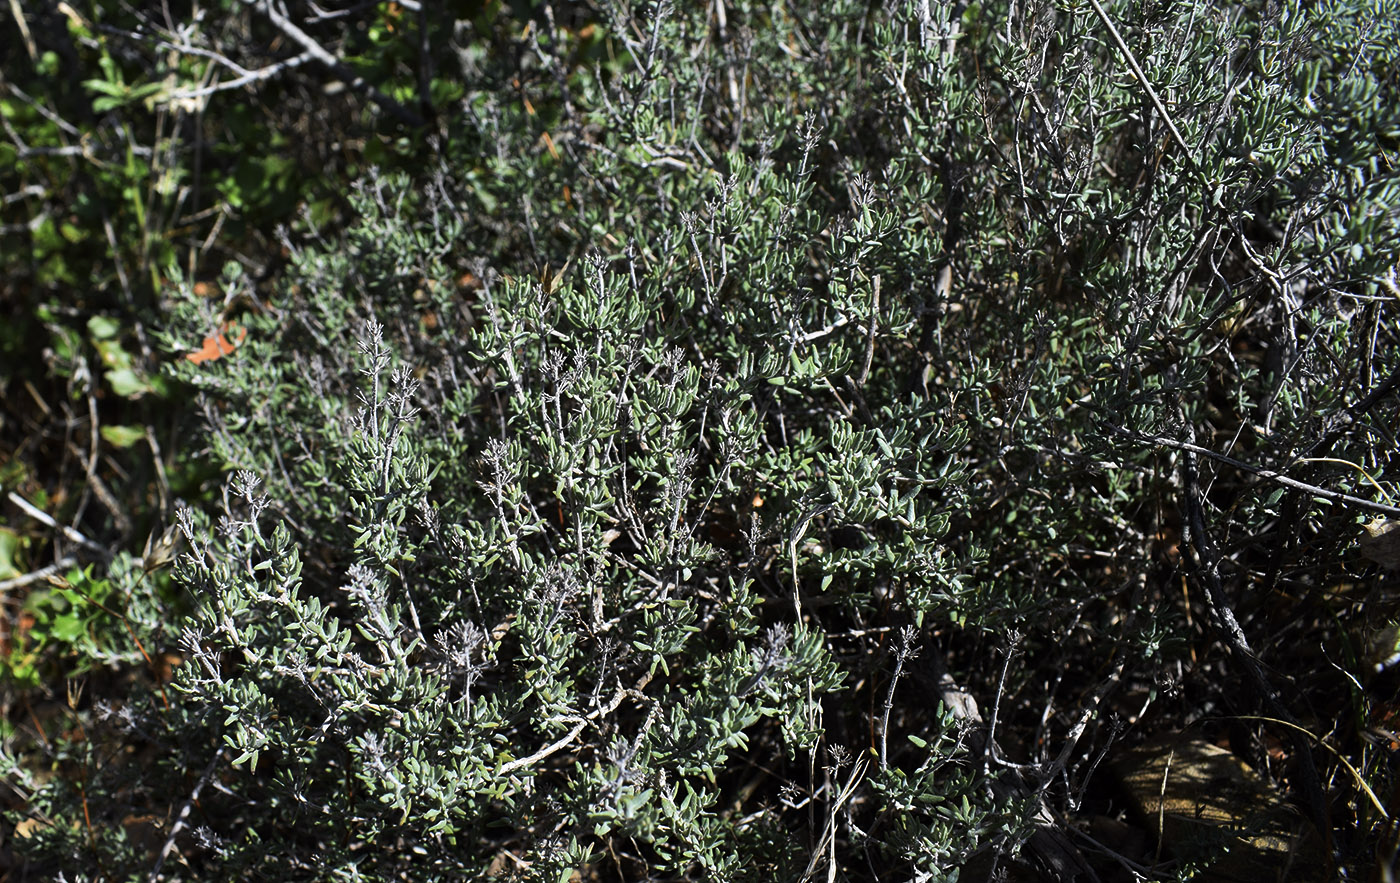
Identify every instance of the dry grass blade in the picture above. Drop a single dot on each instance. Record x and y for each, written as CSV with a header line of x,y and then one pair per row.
x,y
1360,782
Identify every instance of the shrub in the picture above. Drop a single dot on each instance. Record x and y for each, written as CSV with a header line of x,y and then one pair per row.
x,y
629,489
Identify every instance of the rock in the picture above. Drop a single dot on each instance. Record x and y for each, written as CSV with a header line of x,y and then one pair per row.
x,y
1203,805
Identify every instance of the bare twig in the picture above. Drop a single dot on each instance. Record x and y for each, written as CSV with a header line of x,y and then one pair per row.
x,y
103,493
39,108
546,751
840,322
1146,86
185,813
319,52
579,723
23,193
905,652
1270,474
257,76
1014,639
1138,870
1204,560
162,483
1048,843
794,538
72,534
29,45
827,845
39,575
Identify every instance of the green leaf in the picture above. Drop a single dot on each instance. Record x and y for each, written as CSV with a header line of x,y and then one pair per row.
x,y
102,87
123,436
103,327
67,627
10,546
127,383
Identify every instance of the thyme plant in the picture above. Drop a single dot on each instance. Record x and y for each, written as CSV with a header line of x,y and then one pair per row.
x,y
650,485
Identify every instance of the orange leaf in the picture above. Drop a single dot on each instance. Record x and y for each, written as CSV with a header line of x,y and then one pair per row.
x,y
217,346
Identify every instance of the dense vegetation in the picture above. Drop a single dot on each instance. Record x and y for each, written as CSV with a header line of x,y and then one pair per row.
x,y
709,441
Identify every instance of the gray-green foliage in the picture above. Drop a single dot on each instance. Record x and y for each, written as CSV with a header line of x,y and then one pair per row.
x,y
585,482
